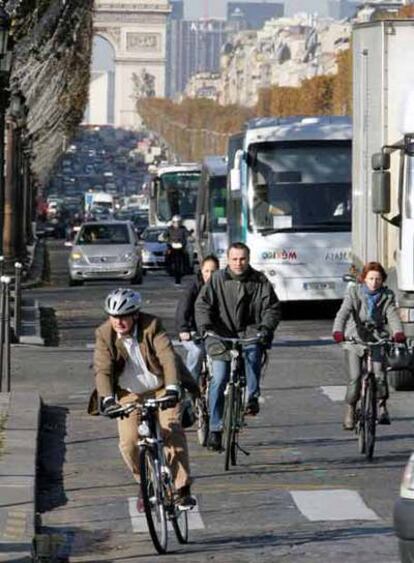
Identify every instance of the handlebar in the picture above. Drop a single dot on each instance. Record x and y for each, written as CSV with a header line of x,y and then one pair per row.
x,y
125,410
252,340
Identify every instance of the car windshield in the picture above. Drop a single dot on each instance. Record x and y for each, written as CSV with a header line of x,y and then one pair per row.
x,y
152,235
104,234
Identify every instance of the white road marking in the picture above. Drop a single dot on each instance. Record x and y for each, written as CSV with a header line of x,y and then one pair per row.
x,y
335,392
139,522
335,504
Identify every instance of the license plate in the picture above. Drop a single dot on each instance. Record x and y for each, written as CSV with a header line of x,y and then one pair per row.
x,y
318,285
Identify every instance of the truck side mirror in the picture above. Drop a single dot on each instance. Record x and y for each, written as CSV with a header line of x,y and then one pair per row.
x,y
381,192
381,161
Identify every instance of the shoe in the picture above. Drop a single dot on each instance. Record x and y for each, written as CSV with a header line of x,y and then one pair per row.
x,y
383,416
253,407
214,441
349,418
185,501
140,505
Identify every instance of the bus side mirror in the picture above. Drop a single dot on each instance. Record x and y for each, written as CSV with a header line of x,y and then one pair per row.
x,y
235,184
152,189
381,192
380,161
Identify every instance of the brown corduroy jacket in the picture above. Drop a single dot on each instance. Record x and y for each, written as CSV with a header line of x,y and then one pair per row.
x,y
156,349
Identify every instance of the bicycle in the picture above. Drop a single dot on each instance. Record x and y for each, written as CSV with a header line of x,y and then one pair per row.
x,y
201,403
157,488
234,397
366,410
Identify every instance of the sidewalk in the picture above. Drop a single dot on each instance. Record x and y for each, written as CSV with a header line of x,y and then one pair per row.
x,y
17,474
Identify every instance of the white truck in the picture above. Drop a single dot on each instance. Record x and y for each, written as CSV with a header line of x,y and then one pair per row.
x,y
383,159
101,200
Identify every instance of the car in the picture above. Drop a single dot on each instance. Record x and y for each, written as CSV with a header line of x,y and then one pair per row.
x,y
153,250
105,250
404,514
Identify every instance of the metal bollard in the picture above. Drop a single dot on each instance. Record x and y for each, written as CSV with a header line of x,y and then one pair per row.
x,y
17,299
5,281
1,265
2,310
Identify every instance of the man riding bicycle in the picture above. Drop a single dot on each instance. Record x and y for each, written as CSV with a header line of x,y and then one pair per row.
x,y
237,302
133,360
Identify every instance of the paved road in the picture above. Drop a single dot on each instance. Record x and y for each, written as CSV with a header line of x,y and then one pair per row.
x,y
304,494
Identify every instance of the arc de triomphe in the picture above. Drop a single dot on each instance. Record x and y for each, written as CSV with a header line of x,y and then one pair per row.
x,y
136,29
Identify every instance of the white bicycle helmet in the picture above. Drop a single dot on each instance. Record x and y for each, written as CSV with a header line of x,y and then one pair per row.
x,y
122,302
176,219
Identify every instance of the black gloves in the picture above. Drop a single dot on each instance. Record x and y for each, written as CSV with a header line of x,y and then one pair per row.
x,y
265,337
173,396
109,405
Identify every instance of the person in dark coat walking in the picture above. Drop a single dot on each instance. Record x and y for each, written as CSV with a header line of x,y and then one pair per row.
x,y
237,302
185,317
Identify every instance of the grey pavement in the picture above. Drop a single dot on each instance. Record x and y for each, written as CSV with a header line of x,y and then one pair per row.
x,y
303,494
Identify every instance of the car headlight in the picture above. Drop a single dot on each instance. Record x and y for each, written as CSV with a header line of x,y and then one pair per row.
x,y
76,256
128,257
146,253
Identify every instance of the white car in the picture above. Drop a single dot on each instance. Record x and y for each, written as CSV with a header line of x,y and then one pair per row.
x,y
105,250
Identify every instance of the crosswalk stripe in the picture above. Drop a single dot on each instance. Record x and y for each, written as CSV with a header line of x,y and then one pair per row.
x,y
334,504
335,392
139,521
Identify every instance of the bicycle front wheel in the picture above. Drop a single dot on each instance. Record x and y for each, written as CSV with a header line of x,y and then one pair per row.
x,y
370,416
180,525
228,425
202,421
237,423
152,496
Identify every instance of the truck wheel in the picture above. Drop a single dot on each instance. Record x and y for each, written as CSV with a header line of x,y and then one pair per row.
x,y
401,380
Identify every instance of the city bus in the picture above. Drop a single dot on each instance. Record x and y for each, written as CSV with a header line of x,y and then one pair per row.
x,y
211,214
289,200
173,191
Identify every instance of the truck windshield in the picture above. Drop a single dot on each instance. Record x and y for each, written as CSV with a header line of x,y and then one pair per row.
x,y
177,195
300,186
217,204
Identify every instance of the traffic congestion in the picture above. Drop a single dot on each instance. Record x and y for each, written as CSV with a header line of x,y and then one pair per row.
x,y
227,363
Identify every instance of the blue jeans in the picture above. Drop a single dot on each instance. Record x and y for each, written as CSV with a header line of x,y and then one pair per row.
x,y
220,376
194,359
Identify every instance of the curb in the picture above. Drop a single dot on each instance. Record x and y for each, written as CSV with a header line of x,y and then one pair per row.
x,y
18,477
36,268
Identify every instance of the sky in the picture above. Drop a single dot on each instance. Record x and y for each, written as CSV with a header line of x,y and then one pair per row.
x,y
217,8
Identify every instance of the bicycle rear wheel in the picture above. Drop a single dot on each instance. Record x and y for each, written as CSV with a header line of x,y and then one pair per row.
x,y
228,425
202,421
370,416
152,497
360,426
180,525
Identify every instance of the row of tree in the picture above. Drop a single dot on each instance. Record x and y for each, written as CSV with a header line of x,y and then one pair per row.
x,y
196,127
199,126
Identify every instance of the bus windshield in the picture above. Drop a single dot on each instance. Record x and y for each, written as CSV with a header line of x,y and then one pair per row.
x,y
300,186
217,204
177,195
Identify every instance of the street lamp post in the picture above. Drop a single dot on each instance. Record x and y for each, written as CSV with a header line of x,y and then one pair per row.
x,y
13,239
5,64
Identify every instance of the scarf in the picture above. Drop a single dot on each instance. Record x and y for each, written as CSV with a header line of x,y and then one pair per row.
x,y
373,298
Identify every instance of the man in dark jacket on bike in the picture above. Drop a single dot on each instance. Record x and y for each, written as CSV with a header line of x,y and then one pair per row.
x,y
176,237
237,302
